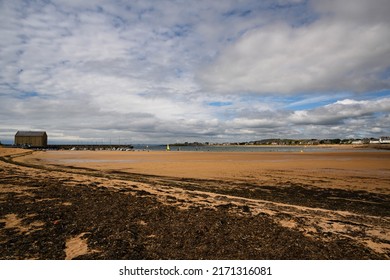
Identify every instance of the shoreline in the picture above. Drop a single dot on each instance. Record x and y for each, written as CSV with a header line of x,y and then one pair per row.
x,y
369,146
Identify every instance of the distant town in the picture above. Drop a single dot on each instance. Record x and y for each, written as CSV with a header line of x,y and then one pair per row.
x,y
305,142
39,139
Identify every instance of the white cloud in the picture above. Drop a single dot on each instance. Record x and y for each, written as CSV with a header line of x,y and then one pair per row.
x,y
373,11
330,54
150,71
339,119
341,111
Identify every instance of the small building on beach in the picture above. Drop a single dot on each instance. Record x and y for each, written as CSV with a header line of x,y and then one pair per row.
x,y
31,138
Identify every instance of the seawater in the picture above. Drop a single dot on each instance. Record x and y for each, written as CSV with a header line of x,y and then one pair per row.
x,y
292,149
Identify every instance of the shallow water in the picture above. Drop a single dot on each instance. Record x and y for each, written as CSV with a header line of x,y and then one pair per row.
x,y
293,149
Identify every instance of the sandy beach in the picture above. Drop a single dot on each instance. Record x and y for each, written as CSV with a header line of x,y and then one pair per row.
x,y
194,205
356,170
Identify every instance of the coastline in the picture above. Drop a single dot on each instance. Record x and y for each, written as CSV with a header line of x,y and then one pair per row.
x,y
264,148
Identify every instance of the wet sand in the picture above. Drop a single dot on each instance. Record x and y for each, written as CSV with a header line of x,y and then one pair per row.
x,y
357,170
192,205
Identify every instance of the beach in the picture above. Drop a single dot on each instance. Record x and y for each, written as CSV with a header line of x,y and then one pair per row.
x,y
347,170
195,205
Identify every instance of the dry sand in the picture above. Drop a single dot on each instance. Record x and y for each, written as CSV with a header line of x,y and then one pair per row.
x,y
193,205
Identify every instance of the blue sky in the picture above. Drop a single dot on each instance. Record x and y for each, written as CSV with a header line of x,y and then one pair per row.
x,y
174,71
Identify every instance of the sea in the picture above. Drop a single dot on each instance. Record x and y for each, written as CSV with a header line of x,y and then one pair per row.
x,y
245,148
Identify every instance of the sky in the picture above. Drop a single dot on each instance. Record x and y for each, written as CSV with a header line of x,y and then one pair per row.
x,y
121,71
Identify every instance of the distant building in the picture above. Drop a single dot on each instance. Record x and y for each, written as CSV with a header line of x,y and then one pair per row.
x,y
384,140
31,138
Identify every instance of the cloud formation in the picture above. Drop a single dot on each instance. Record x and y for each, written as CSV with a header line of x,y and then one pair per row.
x,y
166,71
343,50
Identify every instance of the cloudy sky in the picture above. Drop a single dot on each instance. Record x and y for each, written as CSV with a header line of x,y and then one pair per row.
x,y
179,70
